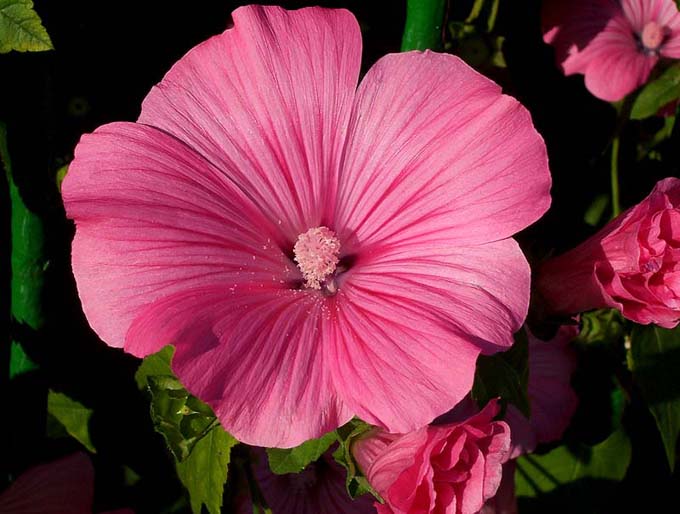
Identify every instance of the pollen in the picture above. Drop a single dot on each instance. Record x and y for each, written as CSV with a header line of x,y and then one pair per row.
x,y
316,253
652,36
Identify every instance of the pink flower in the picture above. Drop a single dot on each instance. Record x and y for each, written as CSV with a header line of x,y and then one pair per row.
x,y
65,486
551,397
318,489
614,43
451,468
313,250
632,264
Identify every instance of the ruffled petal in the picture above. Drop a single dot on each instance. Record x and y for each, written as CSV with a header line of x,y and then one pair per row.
x,y
411,323
153,218
268,101
255,355
65,486
435,153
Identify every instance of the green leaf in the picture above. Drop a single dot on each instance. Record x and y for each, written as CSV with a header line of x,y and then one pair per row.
x,y
356,484
602,326
504,374
657,93
294,460
157,364
73,416
182,419
21,28
655,360
540,474
204,472
594,213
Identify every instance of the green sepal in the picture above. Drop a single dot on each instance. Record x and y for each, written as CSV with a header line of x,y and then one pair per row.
x,y
356,483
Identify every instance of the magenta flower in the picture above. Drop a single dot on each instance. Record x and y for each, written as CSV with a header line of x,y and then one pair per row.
x,y
65,486
632,264
614,43
318,489
313,250
553,401
452,468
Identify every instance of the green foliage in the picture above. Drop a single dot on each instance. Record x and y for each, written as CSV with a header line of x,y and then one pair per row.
x,y
601,326
182,419
657,93
73,416
355,483
565,465
294,460
595,211
21,28
655,361
157,364
506,375
201,447
204,472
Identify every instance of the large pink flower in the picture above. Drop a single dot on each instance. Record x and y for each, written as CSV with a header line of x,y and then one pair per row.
x,y
442,469
313,250
614,43
632,264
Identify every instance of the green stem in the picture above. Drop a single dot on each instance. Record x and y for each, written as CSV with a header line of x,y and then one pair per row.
x,y
28,263
424,21
614,173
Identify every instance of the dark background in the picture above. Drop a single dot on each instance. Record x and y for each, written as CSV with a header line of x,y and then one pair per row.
x,y
107,56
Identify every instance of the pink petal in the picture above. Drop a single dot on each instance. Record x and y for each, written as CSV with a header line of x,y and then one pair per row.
x,y
65,486
318,489
255,355
435,153
153,218
411,323
269,101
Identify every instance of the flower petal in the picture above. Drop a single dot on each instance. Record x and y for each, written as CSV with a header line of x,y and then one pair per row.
x,y
153,218
411,323
65,486
254,354
436,152
269,101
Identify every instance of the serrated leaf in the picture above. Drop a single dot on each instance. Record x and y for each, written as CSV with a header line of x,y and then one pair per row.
x,y
657,93
180,418
506,375
655,360
157,364
294,460
540,474
21,28
73,416
204,472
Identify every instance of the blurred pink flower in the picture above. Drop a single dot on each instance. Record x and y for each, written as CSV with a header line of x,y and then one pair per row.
x,y
65,486
614,43
318,489
313,250
551,397
444,468
632,264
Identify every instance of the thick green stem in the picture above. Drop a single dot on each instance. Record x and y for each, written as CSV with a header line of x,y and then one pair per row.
x,y
424,21
614,173
28,263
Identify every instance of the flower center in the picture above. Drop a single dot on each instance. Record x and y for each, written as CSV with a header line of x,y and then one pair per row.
x,y
652,36
317,255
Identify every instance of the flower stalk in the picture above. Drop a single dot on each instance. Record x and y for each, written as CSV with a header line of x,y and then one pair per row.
x,y
424,22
